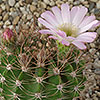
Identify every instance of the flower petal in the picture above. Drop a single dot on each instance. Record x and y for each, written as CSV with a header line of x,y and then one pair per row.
x,y
86,21
79,15
87,37
64,42
48,16
53,37
65,13
45,31
73,12
61,33
57,14
85,28
96,25
45,23
79,44
70,38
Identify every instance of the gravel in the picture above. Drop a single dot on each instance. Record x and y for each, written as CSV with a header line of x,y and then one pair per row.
x,y
16,19
11,2
98,4
28,1
32,8
6,17
98,31
94,0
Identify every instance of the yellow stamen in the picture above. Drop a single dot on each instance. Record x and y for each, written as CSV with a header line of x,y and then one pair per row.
x,y
69,29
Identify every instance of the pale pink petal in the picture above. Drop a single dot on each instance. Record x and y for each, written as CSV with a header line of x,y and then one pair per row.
x,y
57,14
87,20
53,37
64,42
79,15
87,37
48,16
87,27
45,31
70,38
96,25
73,12
45,23
61,33
89,34
65,13
79,44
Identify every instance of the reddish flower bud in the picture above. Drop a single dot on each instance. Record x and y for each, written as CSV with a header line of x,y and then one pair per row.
x,y
7,35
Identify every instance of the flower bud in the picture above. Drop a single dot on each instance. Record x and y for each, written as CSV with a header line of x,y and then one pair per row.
x,y
8,34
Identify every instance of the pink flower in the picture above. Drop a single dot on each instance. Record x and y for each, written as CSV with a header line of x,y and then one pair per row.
x,y
69,26
7,35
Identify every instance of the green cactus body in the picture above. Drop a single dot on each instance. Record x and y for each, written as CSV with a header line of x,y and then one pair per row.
x,y
34,72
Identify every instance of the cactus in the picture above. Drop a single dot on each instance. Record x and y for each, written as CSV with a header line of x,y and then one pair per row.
x,y
35,68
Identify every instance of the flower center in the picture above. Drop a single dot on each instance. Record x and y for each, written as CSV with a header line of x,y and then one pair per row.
x,y
69,29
